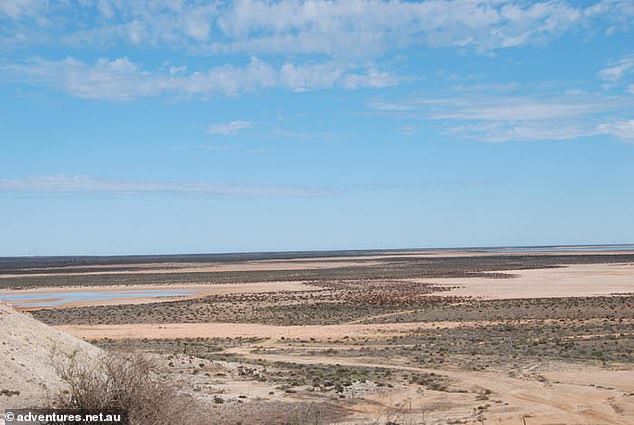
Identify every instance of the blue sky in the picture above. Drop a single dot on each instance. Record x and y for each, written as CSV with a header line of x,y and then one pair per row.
x,y
168,126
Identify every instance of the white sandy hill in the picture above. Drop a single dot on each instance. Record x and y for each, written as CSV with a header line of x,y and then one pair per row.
x,y
26,359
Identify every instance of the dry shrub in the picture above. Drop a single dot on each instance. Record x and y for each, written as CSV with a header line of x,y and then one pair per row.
x,y
123,381
310,416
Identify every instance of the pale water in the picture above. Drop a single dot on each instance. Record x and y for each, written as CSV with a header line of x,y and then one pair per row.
x,y
53,299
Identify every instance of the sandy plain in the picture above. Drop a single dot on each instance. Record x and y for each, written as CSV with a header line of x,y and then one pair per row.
x,y
160,268
579,280
563,356
323,333
322,262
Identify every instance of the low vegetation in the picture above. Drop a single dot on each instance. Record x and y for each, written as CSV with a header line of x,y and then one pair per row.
x,y
125,382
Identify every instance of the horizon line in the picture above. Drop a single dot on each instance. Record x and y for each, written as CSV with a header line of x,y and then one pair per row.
x,y
332,251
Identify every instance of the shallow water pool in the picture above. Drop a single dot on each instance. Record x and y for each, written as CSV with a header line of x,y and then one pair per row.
x,y
57,298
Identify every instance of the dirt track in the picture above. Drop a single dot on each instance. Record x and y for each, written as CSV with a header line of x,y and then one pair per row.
x,y
562,394
246,330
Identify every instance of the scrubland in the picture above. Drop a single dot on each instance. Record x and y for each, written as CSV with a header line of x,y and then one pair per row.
x,y
373,339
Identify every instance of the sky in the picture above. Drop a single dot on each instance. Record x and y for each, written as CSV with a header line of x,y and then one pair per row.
x,y
174,126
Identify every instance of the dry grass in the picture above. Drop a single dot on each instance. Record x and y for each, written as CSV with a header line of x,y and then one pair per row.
x,y
122,381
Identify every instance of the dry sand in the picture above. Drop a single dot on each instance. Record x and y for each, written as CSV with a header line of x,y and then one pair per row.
x,y
580,280
550,398
276,264
246,330
545,393
159,268
255,330
444,253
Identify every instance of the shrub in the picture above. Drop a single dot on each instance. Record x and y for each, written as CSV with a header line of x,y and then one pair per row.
x,y
122,381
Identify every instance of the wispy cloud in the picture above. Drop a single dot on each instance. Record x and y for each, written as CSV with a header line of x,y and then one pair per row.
x,y
343,28
623,129
16,9
504,132
64,184
362,27
228,128
233,128
216,148
618,69
121,79
512,108
300,135
406,130
488,115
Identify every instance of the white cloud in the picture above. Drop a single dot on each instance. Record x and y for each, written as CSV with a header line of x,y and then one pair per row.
x,y
512,108
301,78
359,26
148,22
342,28
373,78
617,69
390,106
302,136
196,24
229,128
487,105
487,115
623,129
121,79
63,184
505,132
16,9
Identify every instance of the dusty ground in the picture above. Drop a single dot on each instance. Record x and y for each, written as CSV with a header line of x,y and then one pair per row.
x,y
266,265
160,268
242,268
401,338
388,388
579,280
247,330
545,393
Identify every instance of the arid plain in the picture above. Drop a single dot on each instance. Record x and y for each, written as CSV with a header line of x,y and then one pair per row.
x,y
398,337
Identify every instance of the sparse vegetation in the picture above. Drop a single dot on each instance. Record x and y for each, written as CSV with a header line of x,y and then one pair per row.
x,y
436,371
122,381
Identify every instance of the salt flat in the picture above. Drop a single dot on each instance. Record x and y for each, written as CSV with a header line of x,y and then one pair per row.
x,y
578,280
